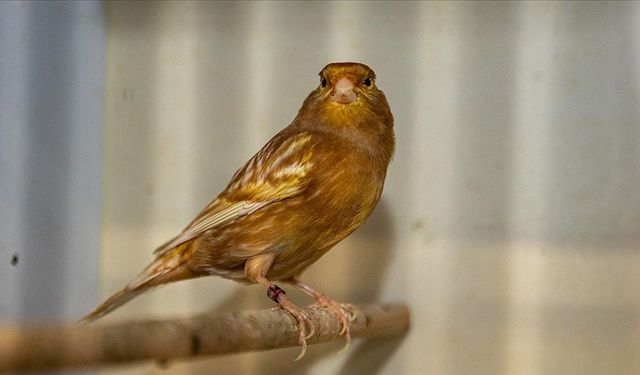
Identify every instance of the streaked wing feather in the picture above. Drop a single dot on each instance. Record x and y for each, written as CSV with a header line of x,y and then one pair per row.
x,y
275,173
207,222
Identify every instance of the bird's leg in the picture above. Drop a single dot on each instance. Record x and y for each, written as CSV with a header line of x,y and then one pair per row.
x,y
343,311
256,269
279,296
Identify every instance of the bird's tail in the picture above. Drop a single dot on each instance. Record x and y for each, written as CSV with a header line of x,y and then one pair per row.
x,y
168,267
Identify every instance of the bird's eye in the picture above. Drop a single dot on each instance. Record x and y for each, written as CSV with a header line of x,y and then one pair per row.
x,y
323,82
367,82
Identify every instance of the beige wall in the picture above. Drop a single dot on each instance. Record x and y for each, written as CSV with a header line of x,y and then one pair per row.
x,y
510,218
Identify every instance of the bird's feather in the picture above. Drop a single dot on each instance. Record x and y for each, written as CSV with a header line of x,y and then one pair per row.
x,y
263,180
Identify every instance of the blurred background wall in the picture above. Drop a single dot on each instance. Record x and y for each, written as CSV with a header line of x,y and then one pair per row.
x,y
511,215
51,108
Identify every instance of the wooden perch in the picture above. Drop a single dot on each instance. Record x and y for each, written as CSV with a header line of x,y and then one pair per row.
x,y
31,348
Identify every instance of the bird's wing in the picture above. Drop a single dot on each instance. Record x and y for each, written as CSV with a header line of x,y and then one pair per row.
x,y
278,171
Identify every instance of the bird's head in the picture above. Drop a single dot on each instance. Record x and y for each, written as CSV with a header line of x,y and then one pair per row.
x,y
347,83
347,95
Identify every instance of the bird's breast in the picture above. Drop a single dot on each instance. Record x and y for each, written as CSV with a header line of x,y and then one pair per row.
x,y
346,193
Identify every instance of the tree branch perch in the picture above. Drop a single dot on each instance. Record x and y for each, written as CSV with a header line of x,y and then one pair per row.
x,y
30,348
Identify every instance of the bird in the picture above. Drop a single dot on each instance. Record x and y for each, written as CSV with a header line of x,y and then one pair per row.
x,y
310,186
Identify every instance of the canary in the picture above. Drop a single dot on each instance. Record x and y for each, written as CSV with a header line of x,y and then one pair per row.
x,y
309,187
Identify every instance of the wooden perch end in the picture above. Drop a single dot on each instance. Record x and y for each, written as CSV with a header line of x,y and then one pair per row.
x,y
30,348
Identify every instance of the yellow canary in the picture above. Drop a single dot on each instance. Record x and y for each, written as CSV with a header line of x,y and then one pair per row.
x,y
309,187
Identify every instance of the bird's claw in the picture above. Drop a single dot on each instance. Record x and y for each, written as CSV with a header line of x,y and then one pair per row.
x,y
312,330
303,321
345,314
351,310
302,341
302,333
352,313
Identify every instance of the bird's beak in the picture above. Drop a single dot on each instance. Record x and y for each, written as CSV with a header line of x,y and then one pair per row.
x,y
343,91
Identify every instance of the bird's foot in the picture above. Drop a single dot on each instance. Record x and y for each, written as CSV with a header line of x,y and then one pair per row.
x,y
345,312
302,318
